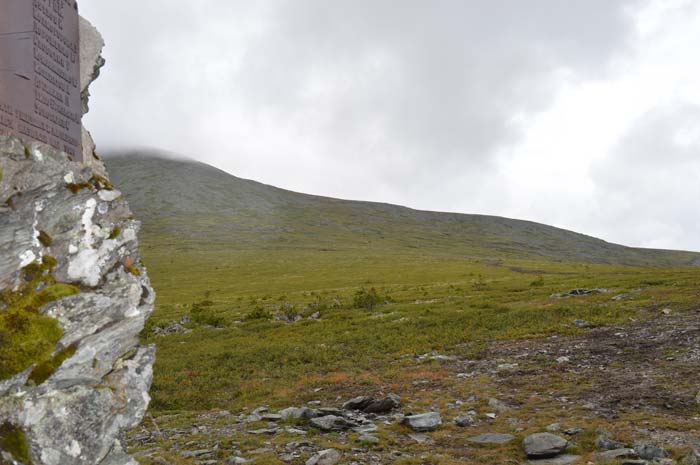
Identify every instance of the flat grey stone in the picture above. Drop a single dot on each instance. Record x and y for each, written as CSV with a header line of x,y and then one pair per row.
x,y
544,445
616,454
421,438
331,423
423,422
561,460
325,457
491,438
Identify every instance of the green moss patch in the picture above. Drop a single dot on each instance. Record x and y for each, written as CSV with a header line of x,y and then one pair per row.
x,y
14,441
44,370
26,336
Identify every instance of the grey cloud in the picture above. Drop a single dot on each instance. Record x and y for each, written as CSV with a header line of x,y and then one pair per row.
x,y
648,186
409,101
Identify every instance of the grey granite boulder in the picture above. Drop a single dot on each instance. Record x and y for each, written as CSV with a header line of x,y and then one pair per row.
x,y
368,404
544,445
331,423
69,222
325,457
650,451
423,422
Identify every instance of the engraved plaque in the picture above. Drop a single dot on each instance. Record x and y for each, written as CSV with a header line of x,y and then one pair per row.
x,y
40,72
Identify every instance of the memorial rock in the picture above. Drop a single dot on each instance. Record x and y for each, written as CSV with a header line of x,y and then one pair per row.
x,y
73,293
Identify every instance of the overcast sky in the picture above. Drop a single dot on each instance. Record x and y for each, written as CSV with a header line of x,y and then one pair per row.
x,y
584,114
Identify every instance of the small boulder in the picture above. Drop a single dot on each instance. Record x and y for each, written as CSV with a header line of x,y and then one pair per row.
x,y
464,420
298,413
566,459
650,451
423,422
325,457
544,445
615,454
368,404
331,423
605,443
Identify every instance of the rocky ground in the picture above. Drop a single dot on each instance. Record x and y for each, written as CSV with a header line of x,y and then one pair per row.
x,y
625,394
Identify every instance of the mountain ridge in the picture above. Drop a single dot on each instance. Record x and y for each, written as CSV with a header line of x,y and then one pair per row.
x,y
198,202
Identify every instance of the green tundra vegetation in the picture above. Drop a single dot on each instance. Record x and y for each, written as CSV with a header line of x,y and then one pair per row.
x,y
290,298
431,302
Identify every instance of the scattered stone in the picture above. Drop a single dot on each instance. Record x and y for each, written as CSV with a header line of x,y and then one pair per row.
x,y
499,405
491,438
605,443
650,451
325,457
371,405
331,423
421,438
581,323
554,427
298,413
423,422
271,417
561,460
364,429
291,430
464,420
544,445
573,431
172,328
616,454
264,431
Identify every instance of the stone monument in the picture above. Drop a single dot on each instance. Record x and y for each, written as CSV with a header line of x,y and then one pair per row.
x,y
74,294
40,88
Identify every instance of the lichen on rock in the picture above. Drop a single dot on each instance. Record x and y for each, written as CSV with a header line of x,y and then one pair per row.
x,y
72,371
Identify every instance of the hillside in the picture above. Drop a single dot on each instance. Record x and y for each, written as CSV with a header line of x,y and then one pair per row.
x,y
271,302
201,204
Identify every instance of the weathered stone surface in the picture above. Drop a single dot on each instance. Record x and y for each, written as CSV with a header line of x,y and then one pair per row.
x,y
91,61
561,460
423,422
616,454
491,438
464,420
75,414
325,457
297,413
371,405
650,451
331,423
544,445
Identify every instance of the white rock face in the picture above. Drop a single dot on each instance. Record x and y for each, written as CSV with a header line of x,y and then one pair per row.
x,y
75,415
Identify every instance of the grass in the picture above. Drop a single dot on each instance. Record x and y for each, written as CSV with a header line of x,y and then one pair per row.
x,y
430,302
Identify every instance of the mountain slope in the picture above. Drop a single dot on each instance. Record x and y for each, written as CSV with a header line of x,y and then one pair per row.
x,y
198,203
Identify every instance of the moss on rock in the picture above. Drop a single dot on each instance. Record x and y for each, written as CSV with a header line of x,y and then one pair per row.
x,y
14,441
26,336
